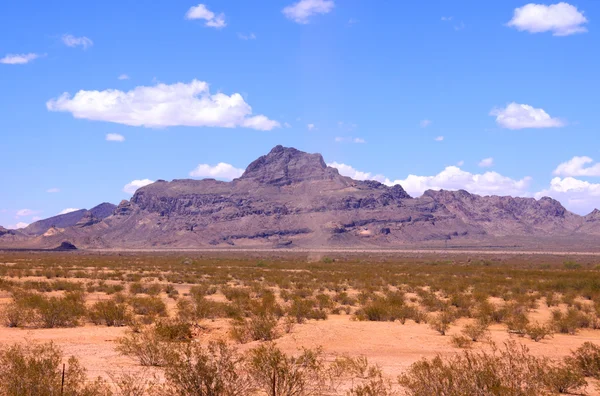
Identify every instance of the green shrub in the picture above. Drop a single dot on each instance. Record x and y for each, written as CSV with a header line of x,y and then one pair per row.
x,y
215,370
257,328
441,323
150,306
275,373
146,347
587,358
476,331
510,371
538,332
109,313
36,370
173,331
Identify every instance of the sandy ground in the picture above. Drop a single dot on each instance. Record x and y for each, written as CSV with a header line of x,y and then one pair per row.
x,y
392,346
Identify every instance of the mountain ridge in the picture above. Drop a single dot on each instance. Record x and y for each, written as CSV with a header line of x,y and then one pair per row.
x,y
291,198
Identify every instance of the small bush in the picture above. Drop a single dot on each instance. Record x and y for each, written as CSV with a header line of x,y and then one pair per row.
x,y
461,341
257,328
109,313
173,331
276,374
149,306
564,378
511,371
441,323
30,370
475,332
538,332
145,346
587,358
215,370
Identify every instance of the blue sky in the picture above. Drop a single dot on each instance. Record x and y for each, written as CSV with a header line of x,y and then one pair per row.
x,y
498,97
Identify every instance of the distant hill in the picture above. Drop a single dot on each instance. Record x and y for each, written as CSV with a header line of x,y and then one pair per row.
x,y
70,219
289,198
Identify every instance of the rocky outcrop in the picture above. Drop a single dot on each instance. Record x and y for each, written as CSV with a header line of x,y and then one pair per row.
x,y
70,219
288,198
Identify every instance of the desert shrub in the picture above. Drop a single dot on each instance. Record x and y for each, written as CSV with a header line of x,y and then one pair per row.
x,y
62,311
214,370
256,328
150,306
587,358
106,288
202,290
17,315
303,309
343,298
172,292
510,371
538,332
140,383
564,378
441,322
173,331
146,347
36,370
204,308
278,374
109,313
475,331
517,323
185,310
30,309
461,341
569,322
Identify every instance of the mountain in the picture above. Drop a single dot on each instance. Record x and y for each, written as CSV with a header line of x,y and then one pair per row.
x,y
289,198
70,219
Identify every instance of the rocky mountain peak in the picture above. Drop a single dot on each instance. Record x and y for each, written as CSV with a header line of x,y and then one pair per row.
x,y
593,215
286,165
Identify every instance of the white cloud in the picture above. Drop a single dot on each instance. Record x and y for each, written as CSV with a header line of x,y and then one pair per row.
x,y
347,170
451,178
310,127
439,139
123,77
72,41
250,36
201,12
26,212
577,195
340,139
53,190
486,162
17,226
578,166
425,123
130,188
163,105
18,59
460,163
519,116
115,137
287,125
301,11
561,19
447,18
67,210
219,171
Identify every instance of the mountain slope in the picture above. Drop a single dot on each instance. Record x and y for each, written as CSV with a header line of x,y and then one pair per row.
x,y
289,198
70,219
